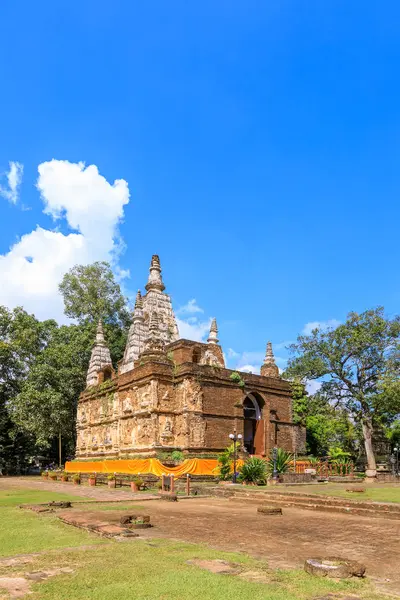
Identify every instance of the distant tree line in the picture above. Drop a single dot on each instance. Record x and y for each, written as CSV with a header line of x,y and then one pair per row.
x,y
43,365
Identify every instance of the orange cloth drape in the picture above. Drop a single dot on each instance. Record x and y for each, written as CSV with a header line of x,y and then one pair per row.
x,y
192,466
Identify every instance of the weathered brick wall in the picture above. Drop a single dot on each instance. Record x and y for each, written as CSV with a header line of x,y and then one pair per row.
x,y
221,399
217,432
176,403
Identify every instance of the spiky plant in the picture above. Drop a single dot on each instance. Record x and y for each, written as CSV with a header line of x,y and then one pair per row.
x,y
283,462
254,470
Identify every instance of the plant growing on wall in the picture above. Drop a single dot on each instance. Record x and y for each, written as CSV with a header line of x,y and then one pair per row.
x,y
236,378
177,456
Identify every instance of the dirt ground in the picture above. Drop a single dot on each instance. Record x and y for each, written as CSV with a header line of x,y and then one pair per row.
x,y
283,541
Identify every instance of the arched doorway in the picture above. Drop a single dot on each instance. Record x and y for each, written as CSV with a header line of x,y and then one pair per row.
x,y
253,427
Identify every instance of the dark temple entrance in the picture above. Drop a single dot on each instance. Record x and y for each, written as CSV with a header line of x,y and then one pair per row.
x,y
253,430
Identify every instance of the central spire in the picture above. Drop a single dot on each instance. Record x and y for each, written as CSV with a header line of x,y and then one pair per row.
x,y
155,281
213,336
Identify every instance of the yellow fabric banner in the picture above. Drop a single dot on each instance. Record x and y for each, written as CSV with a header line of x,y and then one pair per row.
x,y
192,466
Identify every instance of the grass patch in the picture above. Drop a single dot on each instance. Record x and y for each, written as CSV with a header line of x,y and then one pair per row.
x,y
158,570
154,569
22,531
20,496
374,493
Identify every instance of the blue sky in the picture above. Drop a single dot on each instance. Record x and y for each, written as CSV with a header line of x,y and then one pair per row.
x,y
258,144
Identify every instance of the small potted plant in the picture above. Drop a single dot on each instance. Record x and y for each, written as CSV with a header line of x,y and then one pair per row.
x,y
45,474
92,479
77,479
136,484
64,476
111,480
53,476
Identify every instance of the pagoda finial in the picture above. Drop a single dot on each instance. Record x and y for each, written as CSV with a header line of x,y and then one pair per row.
x,y
269,355
269,368
138,301
137,311
100,334
213,335
99,358
155,281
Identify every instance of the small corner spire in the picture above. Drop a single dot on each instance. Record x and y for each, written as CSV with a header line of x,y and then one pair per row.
x,y
100,356
269,368
269,354
138,301
155,281
213,335
100,333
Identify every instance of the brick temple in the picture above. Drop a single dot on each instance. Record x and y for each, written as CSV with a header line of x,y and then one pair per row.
x,y
175,394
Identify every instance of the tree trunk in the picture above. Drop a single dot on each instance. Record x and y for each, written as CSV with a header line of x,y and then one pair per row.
x,y
367,434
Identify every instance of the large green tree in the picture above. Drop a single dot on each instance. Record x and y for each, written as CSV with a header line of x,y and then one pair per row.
x,y
44,406
328,429
90,293
357,363
22,339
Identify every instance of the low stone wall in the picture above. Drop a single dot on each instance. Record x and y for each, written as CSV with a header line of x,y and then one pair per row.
x,y
387,478
296,478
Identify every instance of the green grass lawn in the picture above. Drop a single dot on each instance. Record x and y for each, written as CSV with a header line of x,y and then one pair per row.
x,y
158,570
373,492
140,569
23,531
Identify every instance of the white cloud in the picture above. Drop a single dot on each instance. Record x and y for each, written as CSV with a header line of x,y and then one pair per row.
x,y
309,327
189,308
14,178
32,270
232,353
250,369
193,328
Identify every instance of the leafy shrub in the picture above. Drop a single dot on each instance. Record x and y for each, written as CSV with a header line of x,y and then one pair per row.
x,y
139,482
77,478
111,476
225,461
177,456
236,378
254,470
336,453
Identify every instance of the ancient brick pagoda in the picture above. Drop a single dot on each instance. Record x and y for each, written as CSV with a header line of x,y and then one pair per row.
x,y
176,394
